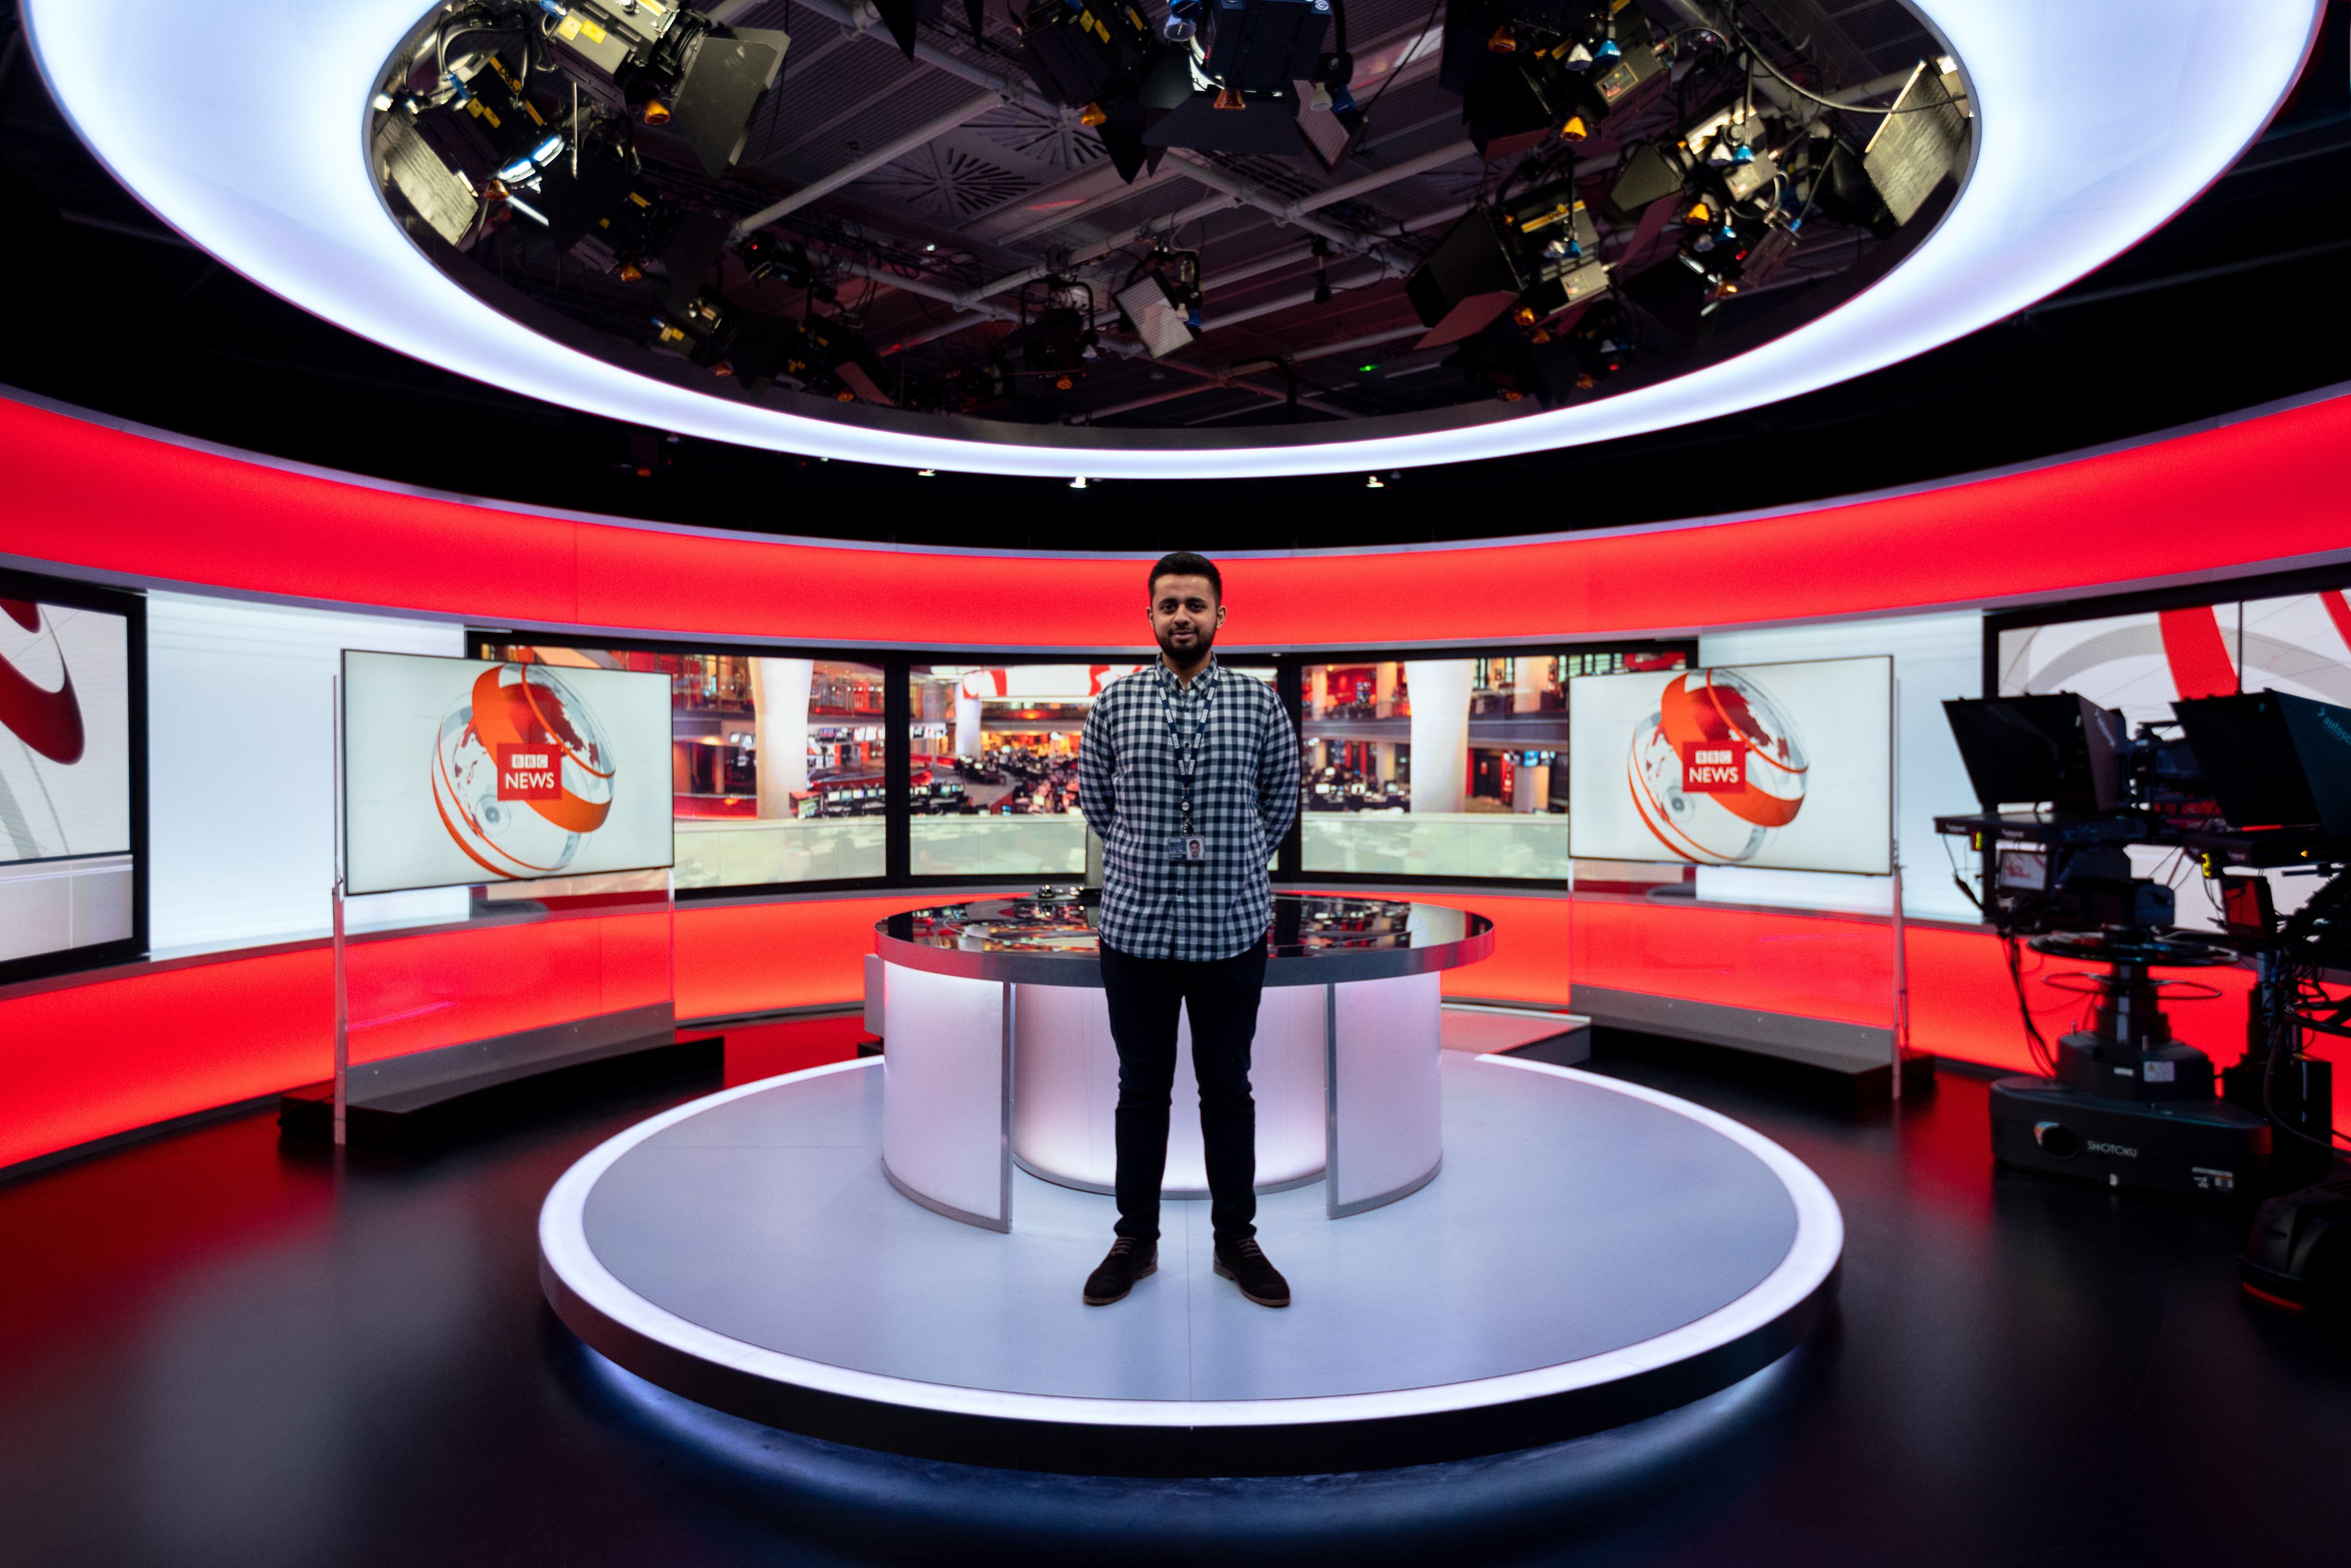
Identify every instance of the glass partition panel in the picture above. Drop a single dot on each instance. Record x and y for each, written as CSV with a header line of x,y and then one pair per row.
x,y
1445,767
775,763
544,975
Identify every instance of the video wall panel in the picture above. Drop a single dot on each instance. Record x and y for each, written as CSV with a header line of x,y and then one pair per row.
x,y
1454,768
2154,650
777,768
988,789
993,768
2144,660
71,887
460,771
1787,767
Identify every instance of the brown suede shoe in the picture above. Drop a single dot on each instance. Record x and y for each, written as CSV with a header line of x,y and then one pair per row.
x,y
1128,1262
1244,1263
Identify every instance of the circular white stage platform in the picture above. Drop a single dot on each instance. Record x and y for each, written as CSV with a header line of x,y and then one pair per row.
x,y
1593,1252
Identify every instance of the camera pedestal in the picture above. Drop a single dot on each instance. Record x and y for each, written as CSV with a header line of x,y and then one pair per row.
x,y
2200,1148
2131,1106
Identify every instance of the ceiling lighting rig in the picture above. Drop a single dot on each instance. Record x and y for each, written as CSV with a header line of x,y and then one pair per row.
x,y
1552,290
1634,180
1216,75
531,119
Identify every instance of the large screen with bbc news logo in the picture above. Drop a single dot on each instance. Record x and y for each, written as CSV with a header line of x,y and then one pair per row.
x,y
70,761
1788,766
473,771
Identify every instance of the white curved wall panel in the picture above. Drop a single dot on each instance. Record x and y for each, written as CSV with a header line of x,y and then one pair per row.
x,y
241,822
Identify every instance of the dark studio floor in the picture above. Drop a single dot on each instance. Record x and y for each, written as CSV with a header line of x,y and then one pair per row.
x,y
217,1349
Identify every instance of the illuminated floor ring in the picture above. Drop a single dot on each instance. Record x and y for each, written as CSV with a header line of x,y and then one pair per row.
x,y
988,1420
2098,120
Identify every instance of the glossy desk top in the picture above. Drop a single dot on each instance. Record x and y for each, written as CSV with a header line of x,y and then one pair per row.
x,y
1315,939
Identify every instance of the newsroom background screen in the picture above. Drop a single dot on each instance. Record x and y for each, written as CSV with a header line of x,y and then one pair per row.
x,y
68,883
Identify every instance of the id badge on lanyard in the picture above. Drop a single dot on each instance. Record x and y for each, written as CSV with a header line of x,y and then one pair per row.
x,y
1185,846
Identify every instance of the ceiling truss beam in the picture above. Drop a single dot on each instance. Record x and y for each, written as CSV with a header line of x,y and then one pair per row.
x,y
1127,351
861,16
882,157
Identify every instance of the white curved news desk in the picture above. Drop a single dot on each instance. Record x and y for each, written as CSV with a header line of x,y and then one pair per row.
x,y
998,1052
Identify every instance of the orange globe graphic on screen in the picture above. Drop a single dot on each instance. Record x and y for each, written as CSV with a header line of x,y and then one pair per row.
x,y
1717,767
521,772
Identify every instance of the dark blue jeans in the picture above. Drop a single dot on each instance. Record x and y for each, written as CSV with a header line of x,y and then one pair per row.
x,y
1146,996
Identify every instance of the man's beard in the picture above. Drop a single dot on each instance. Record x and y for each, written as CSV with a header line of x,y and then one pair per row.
x,y
1205,638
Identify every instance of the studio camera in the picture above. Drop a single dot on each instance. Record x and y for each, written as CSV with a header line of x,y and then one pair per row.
x,y
2241,787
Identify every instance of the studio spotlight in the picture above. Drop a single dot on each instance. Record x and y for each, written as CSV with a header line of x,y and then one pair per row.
x,y
669,67
1650,172
1538,252
1265,45
1919,145
1106,64
769,257
828,358
1056,339
1161,302
1218,76
1526,69
483,125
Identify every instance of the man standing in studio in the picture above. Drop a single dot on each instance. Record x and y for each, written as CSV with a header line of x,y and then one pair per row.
x,y
1189,774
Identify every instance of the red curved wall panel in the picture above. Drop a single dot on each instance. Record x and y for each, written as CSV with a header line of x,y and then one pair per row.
x,y
131,1049
2261,489
737,958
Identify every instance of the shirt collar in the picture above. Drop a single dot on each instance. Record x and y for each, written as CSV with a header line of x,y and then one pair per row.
x,y
1206,679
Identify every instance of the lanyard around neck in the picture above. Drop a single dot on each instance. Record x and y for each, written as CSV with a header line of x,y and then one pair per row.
x,y
1187,752
1204,691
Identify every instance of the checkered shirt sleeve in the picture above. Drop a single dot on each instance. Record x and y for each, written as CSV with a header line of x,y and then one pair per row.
x,y
1244,794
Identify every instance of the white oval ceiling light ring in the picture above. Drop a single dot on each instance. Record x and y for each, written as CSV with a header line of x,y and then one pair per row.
x,y
2097,121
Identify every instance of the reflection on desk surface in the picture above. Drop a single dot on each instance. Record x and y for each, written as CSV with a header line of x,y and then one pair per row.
x,y
1060,921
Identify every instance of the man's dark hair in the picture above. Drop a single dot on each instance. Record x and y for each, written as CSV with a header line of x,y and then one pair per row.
x,y
1184,563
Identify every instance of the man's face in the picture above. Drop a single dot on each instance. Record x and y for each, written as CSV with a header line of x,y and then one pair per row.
x,y
1184,615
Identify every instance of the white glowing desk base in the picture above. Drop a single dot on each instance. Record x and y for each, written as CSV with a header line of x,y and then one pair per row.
x,y
978,1074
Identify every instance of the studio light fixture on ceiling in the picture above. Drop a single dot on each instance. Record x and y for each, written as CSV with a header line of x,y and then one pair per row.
x,y
2096,120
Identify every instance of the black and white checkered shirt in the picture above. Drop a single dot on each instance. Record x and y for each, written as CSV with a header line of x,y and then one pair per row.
x,y
1244,794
